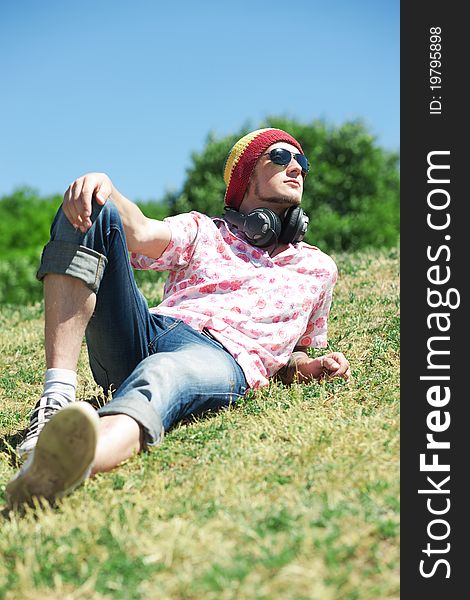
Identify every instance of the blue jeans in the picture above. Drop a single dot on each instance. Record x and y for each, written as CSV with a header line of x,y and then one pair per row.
x,y
162,369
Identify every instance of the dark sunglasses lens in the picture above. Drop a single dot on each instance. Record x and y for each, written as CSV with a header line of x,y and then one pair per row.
x,y
281,156
303,162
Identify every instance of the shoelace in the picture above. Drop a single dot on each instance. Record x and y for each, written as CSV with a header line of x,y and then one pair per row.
x,y
36,424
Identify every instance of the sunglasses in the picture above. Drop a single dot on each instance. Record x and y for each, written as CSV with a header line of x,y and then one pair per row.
x,y
281,156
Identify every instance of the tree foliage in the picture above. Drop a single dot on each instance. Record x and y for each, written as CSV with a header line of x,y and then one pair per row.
x,y
351,193
25,221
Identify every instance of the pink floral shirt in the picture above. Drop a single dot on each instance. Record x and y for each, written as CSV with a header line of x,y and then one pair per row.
x,y
258,307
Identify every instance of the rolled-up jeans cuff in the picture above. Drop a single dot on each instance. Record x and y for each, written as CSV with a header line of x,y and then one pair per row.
x,y
66,258
143,413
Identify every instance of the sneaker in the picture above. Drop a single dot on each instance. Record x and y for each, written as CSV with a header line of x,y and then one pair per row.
x,y
61,460
44,410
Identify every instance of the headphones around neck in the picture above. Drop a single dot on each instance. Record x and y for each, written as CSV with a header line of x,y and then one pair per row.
x,y
263,227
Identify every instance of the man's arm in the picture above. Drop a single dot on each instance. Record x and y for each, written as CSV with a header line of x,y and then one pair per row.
x,y
143,235
300,367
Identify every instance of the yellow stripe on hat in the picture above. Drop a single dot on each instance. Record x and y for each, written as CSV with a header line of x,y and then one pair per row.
x,y
237,151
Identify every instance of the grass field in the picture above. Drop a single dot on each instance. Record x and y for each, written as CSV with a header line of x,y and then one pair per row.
x,y
293,494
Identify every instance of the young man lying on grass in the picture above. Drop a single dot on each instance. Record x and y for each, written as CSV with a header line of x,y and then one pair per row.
x,y
244,299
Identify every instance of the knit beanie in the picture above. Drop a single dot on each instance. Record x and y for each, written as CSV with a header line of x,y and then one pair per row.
x,y
242,159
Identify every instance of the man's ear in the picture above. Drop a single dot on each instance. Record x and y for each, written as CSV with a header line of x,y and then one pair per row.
x,y
246,196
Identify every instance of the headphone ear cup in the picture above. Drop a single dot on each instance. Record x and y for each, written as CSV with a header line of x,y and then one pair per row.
x,y
262,226
268,227
294,226
234,217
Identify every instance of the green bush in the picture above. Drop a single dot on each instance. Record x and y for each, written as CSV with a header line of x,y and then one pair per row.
x,y
18,283
25,220
351,193
351,196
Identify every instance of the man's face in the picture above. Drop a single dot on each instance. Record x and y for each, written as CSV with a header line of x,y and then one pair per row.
x,y
275,186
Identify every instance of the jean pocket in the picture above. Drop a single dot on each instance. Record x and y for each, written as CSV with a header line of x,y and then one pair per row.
x,y
165,325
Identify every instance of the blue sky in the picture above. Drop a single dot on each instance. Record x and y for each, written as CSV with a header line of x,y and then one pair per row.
x,y
131,88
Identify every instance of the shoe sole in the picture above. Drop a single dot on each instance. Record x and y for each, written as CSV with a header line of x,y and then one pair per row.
x,y
61,459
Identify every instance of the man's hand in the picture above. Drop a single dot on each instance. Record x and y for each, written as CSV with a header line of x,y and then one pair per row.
x,y
143,235
334,364
304,369
77,203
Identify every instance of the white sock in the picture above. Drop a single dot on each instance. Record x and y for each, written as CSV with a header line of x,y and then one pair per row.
x,y
60,384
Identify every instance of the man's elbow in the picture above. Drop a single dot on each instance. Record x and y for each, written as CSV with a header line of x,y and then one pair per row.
x,y
150,238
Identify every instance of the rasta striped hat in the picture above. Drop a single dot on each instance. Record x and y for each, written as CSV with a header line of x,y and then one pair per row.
x,y
242,159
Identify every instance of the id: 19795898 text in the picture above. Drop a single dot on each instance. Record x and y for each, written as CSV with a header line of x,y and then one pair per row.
x,y
435,72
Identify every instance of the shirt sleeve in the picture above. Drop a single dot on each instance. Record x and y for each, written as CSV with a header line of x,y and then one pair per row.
x,y
316,332
184,230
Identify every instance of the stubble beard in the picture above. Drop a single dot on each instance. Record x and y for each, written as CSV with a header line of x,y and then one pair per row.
x,y
287,201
